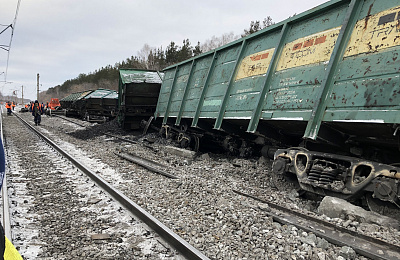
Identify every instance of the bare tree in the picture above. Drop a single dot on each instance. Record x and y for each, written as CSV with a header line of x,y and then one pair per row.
x,y
144,53
216,42
228,37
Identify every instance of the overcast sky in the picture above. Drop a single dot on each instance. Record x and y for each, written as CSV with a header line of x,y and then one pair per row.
x,y
59,39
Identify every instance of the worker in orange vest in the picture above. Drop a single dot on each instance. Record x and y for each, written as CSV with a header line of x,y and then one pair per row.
x,y
37,111
8,106
13,105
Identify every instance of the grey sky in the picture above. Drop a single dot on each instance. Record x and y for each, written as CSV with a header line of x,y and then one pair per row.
x,y
62,38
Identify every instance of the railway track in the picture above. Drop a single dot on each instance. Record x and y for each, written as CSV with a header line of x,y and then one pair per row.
x,y
146,163
364,245
200,206
69,120
184,248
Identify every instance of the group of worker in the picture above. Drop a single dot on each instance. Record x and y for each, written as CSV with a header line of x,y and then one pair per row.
x,y
35,108
10,105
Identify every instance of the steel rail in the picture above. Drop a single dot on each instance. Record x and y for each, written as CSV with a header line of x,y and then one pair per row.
x,y
62,117
4,192
148,164
122,139
163,231
362,244
129,141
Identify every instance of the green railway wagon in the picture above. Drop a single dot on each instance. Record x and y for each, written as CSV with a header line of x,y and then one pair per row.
x,y
326,80
138,94
91,105
68,101
99,105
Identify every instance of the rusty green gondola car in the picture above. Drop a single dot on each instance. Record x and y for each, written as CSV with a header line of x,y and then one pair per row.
x,y
138,93
326,80
67,102
97,105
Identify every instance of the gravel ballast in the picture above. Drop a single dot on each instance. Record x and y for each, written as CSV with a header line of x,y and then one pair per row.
x,y
201,206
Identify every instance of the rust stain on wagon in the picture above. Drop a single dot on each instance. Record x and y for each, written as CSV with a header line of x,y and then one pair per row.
x,y
368,16
368,69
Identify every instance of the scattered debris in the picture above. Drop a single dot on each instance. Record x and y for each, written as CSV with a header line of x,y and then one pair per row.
x,y
339,208
180,152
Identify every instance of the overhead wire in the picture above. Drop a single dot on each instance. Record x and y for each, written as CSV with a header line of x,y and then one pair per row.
x,y
11,38
8,26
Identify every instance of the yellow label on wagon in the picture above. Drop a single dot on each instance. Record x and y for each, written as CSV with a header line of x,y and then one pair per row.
x,y
311,49
375,33
255,64
371,34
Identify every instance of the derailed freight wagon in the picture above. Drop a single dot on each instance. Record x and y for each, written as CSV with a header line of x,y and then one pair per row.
x,y
93,105
66,103
325,81
138,95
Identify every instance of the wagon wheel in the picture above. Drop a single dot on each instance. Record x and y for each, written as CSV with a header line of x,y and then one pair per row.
x,y
184,140
385,208
282,180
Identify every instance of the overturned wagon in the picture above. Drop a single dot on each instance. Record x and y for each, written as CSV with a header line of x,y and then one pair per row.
x,y
66,102
325,81
92,105
138,94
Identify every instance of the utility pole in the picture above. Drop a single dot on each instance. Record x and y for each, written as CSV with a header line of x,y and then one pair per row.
x,y
37,95
22,101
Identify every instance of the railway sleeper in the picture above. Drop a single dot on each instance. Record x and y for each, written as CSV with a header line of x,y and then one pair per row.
x,y
345,177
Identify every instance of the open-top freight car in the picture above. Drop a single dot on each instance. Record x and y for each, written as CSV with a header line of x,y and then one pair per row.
x,y
66,102
91,105
325,81
138,93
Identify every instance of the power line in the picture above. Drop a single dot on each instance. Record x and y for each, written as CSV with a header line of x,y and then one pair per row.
x,y
9,26
2,46
12,34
